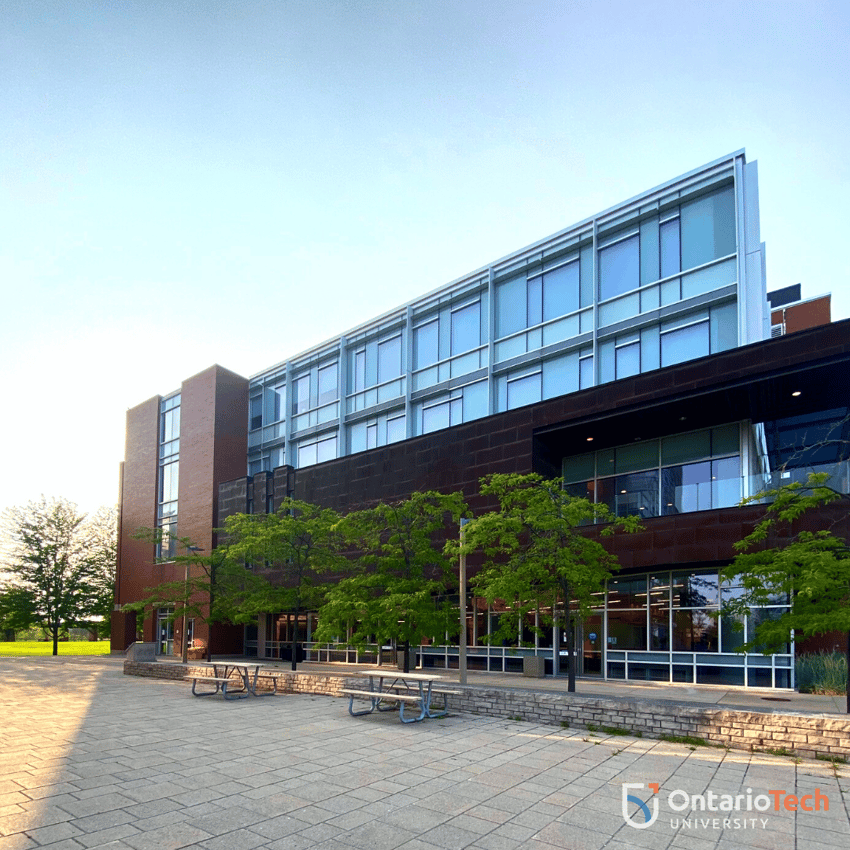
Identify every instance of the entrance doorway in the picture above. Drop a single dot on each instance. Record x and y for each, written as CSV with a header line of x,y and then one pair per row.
x,y
587,640
164,631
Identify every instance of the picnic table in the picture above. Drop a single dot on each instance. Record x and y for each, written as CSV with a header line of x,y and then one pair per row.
x,y
221,678
386,689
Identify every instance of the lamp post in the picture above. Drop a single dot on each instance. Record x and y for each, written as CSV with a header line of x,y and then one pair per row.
x,y
461,661
189,549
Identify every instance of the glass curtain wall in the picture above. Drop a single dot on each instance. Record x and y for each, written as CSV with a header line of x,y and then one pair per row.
x,y
673,475
666,627
167,485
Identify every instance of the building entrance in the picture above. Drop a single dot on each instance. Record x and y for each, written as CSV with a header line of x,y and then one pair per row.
x,y
164,631
587,641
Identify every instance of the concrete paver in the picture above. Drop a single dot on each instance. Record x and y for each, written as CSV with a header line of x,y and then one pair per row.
x,y
91,758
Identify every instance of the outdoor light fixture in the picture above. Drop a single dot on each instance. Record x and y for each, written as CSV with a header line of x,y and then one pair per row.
x,y
796,393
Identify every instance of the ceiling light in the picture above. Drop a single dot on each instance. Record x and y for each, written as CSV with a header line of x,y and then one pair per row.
x,y
590,439
622,491
796,393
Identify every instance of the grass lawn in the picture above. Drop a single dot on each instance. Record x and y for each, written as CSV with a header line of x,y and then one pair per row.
x,y
70,647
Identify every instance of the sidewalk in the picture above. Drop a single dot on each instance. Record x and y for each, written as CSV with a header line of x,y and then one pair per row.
x,y
95,759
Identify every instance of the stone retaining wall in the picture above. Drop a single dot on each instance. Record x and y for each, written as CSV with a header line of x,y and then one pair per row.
x,y
803,734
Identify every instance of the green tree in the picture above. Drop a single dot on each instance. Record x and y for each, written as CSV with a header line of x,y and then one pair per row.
x,y
777,562
536,547
17,610
275,562
398,592
54,574
100,538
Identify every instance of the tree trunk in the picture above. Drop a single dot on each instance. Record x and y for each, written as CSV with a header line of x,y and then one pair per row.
x,y
407,655
571,668
55,631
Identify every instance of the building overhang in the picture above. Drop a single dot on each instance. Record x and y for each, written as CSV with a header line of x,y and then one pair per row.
x,y
795,375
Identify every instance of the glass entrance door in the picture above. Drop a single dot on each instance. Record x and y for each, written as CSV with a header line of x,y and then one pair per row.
x,y
587,641
591,645
164,632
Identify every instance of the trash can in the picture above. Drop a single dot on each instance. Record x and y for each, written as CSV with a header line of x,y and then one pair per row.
x,y
412,659
533,666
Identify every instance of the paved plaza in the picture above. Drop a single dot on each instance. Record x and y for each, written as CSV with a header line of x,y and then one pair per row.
x,y
92,758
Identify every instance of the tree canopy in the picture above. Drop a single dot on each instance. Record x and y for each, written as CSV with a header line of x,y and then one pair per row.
x,y
61,566
534,549
399,590
296,545
780,563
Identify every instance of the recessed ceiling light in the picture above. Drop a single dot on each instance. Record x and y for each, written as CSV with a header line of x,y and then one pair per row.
x,y
796,393
590,439
622,491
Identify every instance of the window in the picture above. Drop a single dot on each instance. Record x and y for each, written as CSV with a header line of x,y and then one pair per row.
x,y
670,257
328,384
561,291
684,343
168,477
523,303
316,451
466,328
396,429
442,415
461,405
426,344
708,228
370,433
256,412
619,268
277,402
389,359
628,359
524,390
301,394
169,425
585,371
511,306
360,371
681,473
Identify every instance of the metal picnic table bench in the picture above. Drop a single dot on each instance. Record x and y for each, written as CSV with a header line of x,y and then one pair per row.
x,y
395,688
222,680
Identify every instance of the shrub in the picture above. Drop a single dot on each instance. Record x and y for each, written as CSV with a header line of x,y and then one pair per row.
x,y
821,673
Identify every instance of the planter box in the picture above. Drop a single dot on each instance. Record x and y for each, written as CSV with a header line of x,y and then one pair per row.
x,y
533,666
196,653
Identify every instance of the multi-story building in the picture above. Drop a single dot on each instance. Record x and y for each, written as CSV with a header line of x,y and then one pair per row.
x,y
630,353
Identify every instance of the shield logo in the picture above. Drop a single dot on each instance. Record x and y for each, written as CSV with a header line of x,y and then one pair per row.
x,y
644,818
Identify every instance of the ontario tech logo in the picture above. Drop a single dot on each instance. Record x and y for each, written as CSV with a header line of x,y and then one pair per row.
x,y
643,817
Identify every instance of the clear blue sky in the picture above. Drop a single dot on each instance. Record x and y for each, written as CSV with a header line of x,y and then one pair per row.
x,y
185,183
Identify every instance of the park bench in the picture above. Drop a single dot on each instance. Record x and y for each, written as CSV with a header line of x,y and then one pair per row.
x,y
220,685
